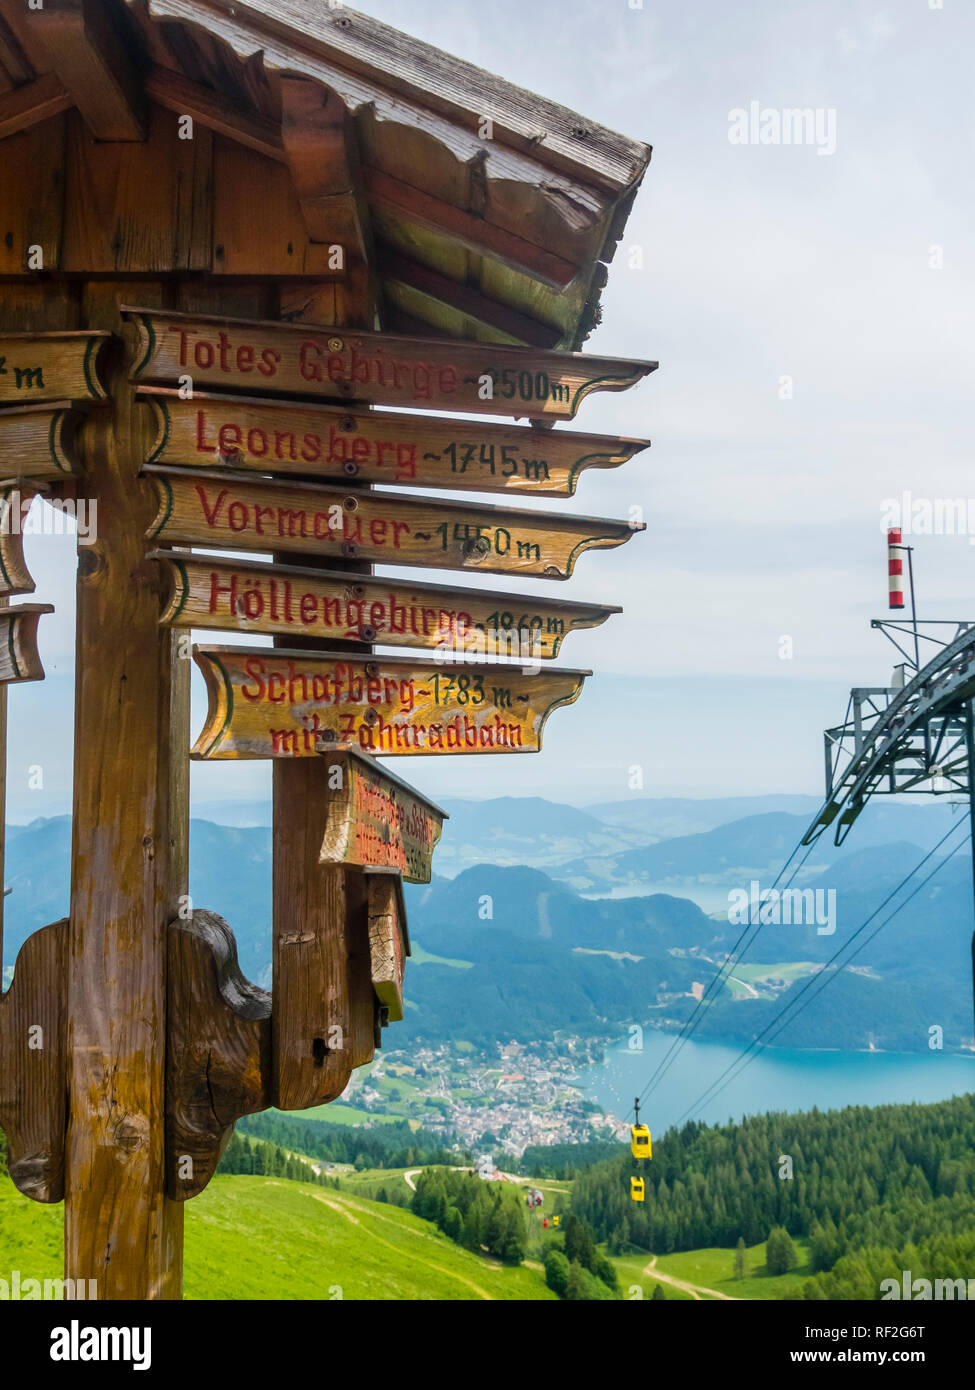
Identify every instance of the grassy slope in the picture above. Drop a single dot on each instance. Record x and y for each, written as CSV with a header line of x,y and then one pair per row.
x,y
713,1269
262,1238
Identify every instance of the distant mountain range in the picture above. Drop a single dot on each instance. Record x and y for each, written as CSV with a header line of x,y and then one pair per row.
x,y
507,949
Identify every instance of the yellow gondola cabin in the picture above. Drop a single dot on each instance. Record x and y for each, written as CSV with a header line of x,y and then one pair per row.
x,y
640,1141
636,1189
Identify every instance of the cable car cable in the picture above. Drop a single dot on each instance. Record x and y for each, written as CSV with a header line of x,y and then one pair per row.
x,y
821,975
826,978
731,959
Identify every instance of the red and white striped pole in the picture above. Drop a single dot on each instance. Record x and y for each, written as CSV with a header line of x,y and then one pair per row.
x,y
895,567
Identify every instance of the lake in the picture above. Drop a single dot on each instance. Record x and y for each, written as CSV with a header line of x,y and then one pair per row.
x,y
776,1079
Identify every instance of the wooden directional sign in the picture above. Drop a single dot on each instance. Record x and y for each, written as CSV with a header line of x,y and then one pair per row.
x,y
374,446
280,600
15,500
273,703
19,657
381,368
35,440
376,820
49,367
235,511
389,942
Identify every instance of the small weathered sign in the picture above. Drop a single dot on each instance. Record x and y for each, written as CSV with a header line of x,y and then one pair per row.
x,y
49,367
35,440
381,368
281,600
15,503
376,820
235,511
19,657
273,703
374,446
389,942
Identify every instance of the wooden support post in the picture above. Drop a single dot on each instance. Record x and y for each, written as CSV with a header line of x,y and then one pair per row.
x,y
128,871
321,935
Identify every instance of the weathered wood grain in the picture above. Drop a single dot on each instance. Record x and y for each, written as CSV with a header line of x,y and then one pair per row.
x,y
33,1065
36,441
218,1060
288,704
49,366
32,103
334,606
237,511
376,820
88,52
328,442
19,658
381,368
128,866
389,942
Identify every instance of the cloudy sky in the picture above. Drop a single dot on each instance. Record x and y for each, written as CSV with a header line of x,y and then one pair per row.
x,y
849,273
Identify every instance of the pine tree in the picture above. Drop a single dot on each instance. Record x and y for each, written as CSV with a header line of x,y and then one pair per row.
x,y
740,1260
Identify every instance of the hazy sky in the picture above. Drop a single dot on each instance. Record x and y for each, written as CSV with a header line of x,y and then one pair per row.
x,y
760,262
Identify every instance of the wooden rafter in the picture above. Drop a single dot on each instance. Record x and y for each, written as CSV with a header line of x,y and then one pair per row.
x,y
319,140
466,300
34,102
215,112
88,54
476,234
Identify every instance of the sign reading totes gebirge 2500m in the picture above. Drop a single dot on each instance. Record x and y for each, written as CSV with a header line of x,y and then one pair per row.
x,y
382,368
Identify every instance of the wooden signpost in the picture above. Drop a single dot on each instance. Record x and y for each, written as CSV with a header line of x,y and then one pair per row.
x,y
389,941
288,704
37,440
334,606
19,657
250,405
236,511
381,368
292,439
376,820
15,501
49,366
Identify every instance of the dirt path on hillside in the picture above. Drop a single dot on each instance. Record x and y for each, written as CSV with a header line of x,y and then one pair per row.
x,y
695,1290
342,1206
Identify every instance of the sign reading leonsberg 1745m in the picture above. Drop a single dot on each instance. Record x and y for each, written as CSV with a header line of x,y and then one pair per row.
x,y
272,703
374,446
382,368
234,511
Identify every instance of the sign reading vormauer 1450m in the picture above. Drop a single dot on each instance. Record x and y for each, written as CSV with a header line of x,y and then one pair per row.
x,y
382,368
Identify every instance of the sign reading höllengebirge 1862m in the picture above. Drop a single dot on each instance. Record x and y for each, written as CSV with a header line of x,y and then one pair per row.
x,y
286,601
233,511
381,368
375,446
272,703
376,820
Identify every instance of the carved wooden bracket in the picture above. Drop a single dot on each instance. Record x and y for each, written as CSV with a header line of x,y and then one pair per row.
x,y
218,1059
33,1065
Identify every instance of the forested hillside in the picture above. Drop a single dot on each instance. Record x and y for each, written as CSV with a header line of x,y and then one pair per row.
x,y
886,1177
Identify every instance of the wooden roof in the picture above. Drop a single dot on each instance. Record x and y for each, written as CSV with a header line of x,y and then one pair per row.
x,y
503,239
